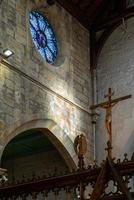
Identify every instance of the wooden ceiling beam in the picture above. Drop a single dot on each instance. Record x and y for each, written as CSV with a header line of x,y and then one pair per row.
x,y
100,11
94,7
76,1
75,11
127,13
122,5
86,3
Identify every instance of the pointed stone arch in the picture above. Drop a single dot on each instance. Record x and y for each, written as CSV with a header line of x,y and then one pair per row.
x,y
55,134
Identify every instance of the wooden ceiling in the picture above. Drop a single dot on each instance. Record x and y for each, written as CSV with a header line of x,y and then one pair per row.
x,y
94,12
101,16
85,11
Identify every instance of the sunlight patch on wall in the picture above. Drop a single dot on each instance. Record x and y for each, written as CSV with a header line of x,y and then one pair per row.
x,y
64,115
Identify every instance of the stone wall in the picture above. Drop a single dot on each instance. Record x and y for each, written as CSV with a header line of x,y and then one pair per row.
x,y
31,87
116,70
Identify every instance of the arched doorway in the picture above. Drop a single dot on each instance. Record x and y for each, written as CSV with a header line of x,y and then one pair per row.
x,y
33,152
48,127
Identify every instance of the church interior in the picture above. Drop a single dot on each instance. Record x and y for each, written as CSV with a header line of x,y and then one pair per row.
x,y
66,99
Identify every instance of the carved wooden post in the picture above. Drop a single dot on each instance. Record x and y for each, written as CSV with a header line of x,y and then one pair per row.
x,y
68,194
82,191
56,194
34,196
46,196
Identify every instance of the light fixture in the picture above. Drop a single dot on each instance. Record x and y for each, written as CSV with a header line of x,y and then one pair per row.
x,y
7,53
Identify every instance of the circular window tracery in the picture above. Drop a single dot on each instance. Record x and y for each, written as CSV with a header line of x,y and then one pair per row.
x,y
43,37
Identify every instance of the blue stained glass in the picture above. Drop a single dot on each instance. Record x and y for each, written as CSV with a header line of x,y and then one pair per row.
x,y
43,36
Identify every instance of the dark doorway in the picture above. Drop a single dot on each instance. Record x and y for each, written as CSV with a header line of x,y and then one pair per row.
x,y
30,154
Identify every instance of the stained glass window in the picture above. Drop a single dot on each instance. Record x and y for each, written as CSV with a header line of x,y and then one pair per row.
x,y
43,36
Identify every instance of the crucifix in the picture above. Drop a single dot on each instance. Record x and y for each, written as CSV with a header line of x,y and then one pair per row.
x,y
108,105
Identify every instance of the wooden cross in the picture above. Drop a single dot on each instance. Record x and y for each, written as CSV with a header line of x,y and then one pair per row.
x,y
107,105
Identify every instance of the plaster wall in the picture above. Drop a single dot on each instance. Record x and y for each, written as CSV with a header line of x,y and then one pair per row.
x,y
116,70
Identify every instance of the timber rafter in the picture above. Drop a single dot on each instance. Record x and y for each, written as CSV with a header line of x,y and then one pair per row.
x,y
75,11
127,13
107,26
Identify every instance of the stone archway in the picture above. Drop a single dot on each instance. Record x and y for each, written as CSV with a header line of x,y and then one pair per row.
x,y
59,139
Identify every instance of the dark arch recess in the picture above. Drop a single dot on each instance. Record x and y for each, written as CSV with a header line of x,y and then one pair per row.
x,y
51,140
